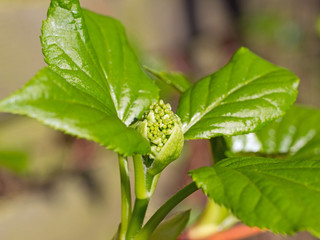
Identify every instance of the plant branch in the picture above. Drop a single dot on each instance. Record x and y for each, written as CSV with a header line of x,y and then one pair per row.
x,y
163,211
145,184
125,196
140,182
136,221
218,149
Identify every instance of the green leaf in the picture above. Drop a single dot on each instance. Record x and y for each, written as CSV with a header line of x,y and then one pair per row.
x,y
131,89
297,134
92,53
15,161
171,229
95,87
176,79
279,195
55,102
241,97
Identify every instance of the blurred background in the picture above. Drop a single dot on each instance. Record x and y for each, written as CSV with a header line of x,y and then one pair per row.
x,y
56,187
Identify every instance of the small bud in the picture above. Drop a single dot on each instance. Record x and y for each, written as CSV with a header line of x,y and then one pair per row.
x,y
163,129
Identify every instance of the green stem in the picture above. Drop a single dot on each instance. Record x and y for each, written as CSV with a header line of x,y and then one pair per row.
x,y
144,187
211,220
140,182
125,196
218,148
213,214
163,211
139,212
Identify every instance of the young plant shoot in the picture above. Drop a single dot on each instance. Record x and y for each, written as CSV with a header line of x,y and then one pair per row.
x,y
163,129
94,88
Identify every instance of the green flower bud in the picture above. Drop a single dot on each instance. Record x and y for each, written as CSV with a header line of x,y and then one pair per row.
x,y
163,129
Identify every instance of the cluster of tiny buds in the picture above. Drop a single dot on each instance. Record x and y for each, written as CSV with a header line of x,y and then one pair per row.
x,y
161,121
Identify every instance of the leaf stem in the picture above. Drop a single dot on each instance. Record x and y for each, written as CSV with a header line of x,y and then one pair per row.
x,y
218,148
136,221
139,177
125,196
163,211
145,184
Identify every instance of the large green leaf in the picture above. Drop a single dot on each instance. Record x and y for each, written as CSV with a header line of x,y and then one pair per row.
x,y
95,85
279,195
171,228
241,97
175,79
92,53
52,100
297,134
131,90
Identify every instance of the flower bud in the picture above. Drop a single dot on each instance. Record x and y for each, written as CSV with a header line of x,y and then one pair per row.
x,y
163,129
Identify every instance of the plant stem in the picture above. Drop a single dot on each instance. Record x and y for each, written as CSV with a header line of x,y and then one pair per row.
x,y
218,149
125,196
163,211
140,182
136,221
213,219
145,184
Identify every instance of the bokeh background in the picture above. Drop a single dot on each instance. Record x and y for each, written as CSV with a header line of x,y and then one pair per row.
x,y
56,187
